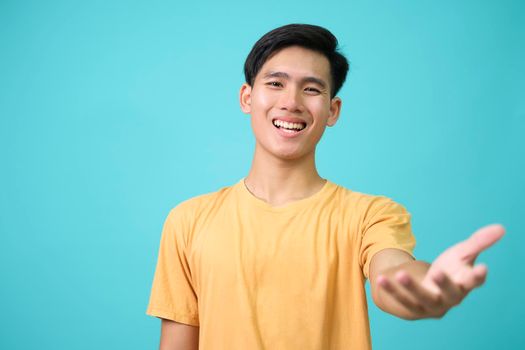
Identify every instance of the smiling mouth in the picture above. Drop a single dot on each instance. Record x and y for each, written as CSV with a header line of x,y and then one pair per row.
x,y
288,127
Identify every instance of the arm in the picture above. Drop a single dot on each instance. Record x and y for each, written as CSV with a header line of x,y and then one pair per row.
x,y
178,336
413,289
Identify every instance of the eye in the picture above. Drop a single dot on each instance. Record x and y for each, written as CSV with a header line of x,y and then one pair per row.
x,y
312,90
274,84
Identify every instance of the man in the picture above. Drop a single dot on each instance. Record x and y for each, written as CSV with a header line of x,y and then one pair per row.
x,y
279,260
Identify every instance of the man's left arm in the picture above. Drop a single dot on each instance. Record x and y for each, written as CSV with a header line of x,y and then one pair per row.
x,y
413,289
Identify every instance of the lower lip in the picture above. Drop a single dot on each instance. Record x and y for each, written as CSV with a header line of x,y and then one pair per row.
x,y
288,134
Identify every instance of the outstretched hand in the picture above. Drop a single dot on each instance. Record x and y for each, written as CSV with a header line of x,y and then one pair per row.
x,y
456,264
430,291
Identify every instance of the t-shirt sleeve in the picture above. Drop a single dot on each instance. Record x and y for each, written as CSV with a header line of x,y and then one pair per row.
x,y
385,225
173,294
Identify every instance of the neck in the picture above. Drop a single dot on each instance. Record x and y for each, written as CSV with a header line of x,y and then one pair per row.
x,y
281,181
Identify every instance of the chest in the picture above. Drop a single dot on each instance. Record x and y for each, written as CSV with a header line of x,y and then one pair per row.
x,y
269,249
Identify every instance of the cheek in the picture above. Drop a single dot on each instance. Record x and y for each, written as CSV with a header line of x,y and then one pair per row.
x,y
262,101
322,105
320,109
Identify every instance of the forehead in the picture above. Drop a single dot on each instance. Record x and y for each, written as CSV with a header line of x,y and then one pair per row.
x,y
298,61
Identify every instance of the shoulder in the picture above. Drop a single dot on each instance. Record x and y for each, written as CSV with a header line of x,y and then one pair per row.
x,y
194,206
184,219
368,204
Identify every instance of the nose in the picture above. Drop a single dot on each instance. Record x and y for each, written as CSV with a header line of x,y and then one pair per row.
x,y
291,100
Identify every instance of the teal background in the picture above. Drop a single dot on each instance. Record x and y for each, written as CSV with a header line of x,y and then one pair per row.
x,y
112,112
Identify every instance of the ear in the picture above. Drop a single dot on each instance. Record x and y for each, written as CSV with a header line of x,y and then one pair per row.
x,y
335,110
245,98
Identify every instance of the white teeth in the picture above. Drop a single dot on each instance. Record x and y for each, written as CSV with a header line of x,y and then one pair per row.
x,y
286,125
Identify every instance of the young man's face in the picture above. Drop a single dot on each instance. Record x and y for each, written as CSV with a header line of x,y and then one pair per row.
x,y
290,102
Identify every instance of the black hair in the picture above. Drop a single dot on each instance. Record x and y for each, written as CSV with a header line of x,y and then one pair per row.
x,y
309,36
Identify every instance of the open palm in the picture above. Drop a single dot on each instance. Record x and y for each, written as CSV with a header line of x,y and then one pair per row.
x,y
454,269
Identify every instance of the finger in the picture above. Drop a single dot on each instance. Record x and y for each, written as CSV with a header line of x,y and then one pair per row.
x,y
397,294
481,240
429,300
452,293
470,277
477,276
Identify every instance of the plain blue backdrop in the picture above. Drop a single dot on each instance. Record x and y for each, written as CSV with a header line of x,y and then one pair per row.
x,y
112,112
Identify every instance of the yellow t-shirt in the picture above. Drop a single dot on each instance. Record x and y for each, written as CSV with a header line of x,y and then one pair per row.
x,y
253,276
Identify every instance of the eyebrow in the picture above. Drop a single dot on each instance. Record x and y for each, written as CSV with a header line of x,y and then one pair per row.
x,y
284,75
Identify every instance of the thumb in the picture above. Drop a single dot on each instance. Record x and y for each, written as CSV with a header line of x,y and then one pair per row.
x,y
481,240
